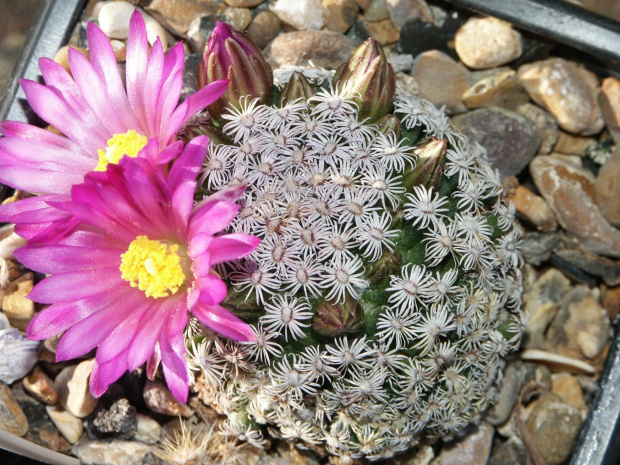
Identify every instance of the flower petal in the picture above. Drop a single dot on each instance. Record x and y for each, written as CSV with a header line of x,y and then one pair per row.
x,y
224,322
212,289
232,247
212,218
174,364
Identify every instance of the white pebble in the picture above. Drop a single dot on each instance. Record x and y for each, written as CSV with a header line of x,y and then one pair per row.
x,y
114,19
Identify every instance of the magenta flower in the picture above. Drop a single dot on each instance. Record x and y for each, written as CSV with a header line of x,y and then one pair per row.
x,y
101,119
139,260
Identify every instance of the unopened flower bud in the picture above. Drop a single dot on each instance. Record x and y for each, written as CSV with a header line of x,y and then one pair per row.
x,y
368,79
296,88
428,169
240,304
378,272
389,123
335,319
231,54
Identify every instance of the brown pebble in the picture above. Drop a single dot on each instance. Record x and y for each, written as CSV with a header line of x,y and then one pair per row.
x,y
384,31
264,28
534,209
609,100
16,306
40,386
567,387
569,144
568,91
610,298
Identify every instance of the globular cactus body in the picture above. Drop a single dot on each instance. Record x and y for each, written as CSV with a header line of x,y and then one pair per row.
x,y
386,290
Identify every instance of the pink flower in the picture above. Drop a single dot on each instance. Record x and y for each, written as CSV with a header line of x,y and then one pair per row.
x,y
101,119
139,260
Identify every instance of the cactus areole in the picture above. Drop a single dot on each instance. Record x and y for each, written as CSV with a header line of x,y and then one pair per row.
x,y
386,291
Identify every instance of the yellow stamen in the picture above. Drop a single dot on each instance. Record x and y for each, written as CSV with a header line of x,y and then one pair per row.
x,y
119,145
153,267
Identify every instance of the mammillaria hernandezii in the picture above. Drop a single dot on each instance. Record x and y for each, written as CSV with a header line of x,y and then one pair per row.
x,y
386,290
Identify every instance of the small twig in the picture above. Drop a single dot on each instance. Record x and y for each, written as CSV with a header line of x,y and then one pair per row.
x,y
527,393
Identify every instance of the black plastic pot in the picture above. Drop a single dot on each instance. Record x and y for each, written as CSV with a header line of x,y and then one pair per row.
x,y
597,36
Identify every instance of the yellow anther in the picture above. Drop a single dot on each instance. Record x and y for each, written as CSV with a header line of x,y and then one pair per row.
x,y
119,145
153,267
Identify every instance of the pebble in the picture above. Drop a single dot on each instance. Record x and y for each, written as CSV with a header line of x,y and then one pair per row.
x,y
407,84
567,91
609,100
190,83
148,430
567,387
158,398
384,31
536,248
487,42
500,90
401,63
239,18
533,209
40,386
423,454
200,30
72,388
342,14
12,417
512,452
508,394
569,190
402,10
418,36
301,15
324,48
581,328
541,304
474,448
538,373
15,305
40,429
363,4
570,144
244,3
114,19
96,8
177,16
17,355
114,417
441,80
547,126
610,299
554,425
68,425
592,264
608,188
115,452
377,10
510,139
264,28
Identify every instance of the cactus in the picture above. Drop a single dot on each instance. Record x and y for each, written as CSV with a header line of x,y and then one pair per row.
x,y
386,291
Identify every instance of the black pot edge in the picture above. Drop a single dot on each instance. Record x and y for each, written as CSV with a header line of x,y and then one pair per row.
x,y
52,30
599,442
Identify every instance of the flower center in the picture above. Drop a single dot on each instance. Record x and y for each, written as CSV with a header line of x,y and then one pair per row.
x,y
119,145
153,267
